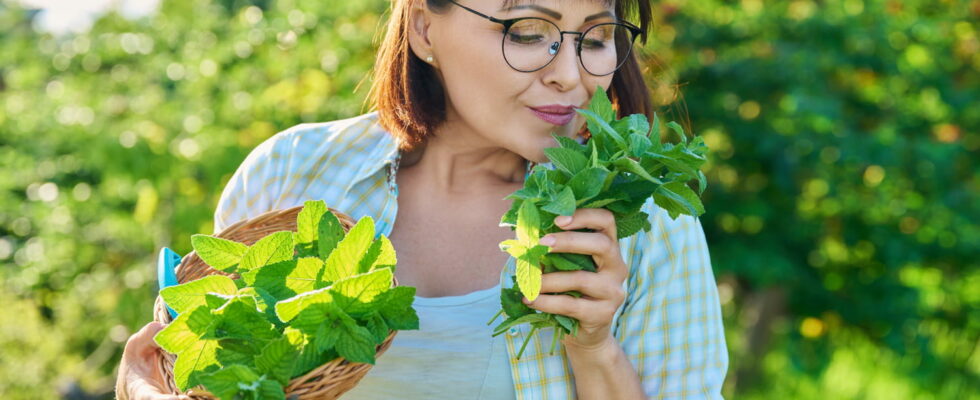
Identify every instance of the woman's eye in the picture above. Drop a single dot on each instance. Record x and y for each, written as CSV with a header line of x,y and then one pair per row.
x,y
524,39
593,44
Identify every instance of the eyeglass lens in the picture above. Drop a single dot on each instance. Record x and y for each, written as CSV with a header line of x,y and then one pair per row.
x,y
530,44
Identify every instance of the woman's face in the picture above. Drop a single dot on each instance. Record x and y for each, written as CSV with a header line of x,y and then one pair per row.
x,y
488,102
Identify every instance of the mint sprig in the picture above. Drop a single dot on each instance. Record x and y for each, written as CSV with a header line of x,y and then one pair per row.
x,y
623,164
301,299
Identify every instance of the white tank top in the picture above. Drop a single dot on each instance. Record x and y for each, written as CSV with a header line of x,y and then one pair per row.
x,y
451,356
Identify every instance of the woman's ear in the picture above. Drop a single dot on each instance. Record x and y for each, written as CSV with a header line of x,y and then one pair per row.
x,y
419,22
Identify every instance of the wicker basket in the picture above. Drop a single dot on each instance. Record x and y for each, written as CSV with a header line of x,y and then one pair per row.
x,y
328,381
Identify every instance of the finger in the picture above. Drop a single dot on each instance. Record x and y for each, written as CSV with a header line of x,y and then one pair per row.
x,y
141,343
593,286
597,219
605,251
588,312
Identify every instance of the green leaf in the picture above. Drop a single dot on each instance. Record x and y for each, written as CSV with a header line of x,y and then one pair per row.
x,y
272,278
354,295
195,355
329,233
277,360
375,324
630,165
601,106
306,276
599,126
563,204
510,302
528,224
629,225
356,344
639,125
639,145
287,309
529,277
569,143
240,318
220,254
188,296
669,198
308,226
395,306
271,249
346,257
229,381
677,129
692,201
588,183
570,161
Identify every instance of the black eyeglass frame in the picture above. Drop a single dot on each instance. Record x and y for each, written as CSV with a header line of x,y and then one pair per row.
x,y
507,23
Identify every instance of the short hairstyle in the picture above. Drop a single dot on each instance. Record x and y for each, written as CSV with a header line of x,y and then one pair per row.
x,y
411,102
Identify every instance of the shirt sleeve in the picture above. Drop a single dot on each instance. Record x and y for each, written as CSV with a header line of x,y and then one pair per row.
x,y
255,186
671,325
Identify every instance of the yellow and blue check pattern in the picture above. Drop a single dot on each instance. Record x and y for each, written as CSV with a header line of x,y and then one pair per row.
x,y
669,326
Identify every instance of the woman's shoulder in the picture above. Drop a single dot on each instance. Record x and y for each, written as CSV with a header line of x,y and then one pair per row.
x,y
322,158
317,139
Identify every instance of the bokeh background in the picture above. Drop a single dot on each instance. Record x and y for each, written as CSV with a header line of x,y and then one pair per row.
x,y
842,209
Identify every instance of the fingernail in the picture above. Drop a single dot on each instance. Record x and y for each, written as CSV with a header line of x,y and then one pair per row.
x,y
563,220
526,301
547,240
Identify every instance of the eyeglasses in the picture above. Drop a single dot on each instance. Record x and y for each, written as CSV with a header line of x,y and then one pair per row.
x,y
530,43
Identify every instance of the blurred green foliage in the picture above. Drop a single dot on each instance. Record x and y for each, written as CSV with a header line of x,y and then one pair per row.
x,y
842,212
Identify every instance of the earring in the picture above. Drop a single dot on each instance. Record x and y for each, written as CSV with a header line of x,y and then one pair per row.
x,y
428,59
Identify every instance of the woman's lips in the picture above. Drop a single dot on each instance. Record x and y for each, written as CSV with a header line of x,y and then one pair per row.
x,y
557,119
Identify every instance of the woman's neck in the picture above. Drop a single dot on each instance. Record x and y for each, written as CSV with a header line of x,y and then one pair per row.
x,y
448,167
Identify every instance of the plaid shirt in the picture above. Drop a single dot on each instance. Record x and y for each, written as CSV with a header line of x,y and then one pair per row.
x,y
669,325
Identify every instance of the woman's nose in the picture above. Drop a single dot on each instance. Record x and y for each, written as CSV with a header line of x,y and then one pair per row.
x,y
564,69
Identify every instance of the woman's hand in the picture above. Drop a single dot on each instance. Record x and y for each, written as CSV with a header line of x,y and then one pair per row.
x,y
139,378
602,291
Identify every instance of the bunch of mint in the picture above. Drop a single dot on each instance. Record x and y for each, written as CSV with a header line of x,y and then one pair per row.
x,y
619,169
301,300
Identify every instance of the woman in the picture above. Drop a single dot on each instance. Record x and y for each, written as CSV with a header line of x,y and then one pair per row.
x,y
466,95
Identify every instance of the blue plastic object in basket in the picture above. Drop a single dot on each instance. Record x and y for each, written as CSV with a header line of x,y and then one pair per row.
x,y
167,272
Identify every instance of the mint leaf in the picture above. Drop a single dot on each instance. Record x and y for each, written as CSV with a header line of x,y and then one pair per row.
x,y
355,294
329,232
307,227
269,250
306,276
601,106
528,224
570,161
188,296
239,318
220,254
345,258
241,382
356,344
588,183
563,204
395,307
277,360
195,355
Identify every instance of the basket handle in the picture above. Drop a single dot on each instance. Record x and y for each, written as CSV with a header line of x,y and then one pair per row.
x,y
167,272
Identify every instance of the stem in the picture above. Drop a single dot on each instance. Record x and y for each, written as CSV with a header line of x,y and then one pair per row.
x,y
554,340
526,340
495,316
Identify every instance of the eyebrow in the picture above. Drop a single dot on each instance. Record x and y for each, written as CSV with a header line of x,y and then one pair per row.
x,y
554,14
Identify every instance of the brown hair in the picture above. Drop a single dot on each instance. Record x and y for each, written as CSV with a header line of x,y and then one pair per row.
x,y
411,102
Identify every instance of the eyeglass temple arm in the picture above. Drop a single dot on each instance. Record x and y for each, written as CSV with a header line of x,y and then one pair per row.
x,y
499,21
